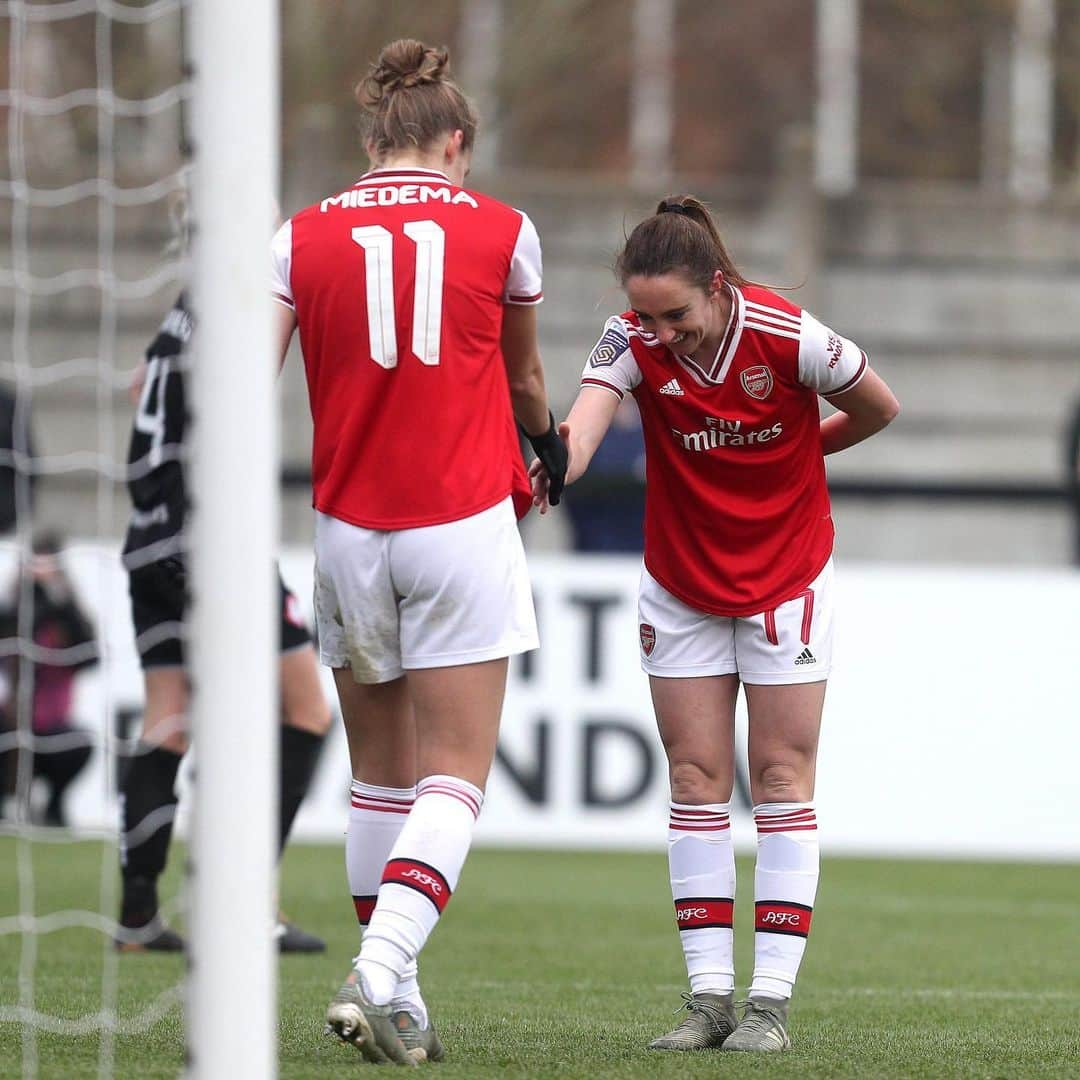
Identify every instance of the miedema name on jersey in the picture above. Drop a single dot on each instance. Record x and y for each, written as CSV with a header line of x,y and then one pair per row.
x,y
397,195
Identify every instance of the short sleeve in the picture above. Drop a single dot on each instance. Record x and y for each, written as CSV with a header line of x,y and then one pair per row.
x,y
828,363
281,266
611,364
524,284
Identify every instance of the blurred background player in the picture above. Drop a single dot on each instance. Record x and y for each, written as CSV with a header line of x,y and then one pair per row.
x,y
737,582
415,301
17,458
65,643
155,560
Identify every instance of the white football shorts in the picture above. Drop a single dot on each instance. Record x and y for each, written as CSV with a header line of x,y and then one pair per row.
x,y
792,643
435,596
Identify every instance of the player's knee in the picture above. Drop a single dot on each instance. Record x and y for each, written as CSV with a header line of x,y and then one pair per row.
x,y
175,742
165,728
782,782
693,783
315,718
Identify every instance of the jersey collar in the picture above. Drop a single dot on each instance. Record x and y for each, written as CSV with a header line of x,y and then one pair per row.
x,y
718,369
402,174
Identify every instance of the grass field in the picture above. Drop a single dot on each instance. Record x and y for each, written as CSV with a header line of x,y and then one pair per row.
x,y
565,965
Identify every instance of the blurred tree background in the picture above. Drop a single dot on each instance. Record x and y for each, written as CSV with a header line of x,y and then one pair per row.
x,y
929,71
932,77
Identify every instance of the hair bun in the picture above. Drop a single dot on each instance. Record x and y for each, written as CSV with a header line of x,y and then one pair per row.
x,y
402,65
410,100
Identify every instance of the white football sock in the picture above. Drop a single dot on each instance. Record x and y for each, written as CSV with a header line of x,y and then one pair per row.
x,y
418,880
785,884
377,816
701,860
376,819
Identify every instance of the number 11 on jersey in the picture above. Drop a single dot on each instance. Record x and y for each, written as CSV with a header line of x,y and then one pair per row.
x,y
378,245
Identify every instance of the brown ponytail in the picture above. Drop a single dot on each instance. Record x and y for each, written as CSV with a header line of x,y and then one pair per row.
x,y
410,99
681,237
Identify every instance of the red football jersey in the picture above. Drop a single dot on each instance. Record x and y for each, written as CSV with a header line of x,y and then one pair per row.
x,y
737,516
398,285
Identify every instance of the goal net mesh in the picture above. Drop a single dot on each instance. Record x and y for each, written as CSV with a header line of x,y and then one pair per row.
x,y
93,101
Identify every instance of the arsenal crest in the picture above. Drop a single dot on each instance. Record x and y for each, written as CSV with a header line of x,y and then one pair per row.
x,y
757,381
648,638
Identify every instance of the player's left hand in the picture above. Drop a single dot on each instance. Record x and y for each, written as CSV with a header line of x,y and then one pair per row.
x,y
551,451
540,480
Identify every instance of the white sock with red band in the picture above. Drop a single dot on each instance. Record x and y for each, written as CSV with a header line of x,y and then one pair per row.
x,y
376,818
701,860
785,884
418,880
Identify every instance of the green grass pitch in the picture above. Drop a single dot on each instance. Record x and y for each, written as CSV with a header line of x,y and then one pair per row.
x,y
565,965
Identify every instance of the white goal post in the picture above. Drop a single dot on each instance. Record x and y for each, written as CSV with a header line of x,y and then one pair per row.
x,y
231,1001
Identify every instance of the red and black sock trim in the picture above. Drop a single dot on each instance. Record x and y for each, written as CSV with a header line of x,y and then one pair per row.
x,y
782,917
697,819
702,913
803,819
422,877
364,905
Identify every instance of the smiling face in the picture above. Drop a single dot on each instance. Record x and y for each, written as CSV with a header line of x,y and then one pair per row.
x,y
682,315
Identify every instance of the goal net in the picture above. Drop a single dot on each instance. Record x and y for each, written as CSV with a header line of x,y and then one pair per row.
x,y
105,124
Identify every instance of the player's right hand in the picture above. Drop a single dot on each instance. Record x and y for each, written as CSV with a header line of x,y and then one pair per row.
x,y
538,481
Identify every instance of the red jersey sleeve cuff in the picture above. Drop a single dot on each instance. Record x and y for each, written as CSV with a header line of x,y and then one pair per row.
x,y
603,386
281,298
863,365
519,298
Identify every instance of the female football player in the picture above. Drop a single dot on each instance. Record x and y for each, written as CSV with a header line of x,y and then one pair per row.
x,y
155,556
737,584
415,299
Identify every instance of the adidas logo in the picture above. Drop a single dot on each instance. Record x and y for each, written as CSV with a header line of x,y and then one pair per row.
x,y
672,387
806,657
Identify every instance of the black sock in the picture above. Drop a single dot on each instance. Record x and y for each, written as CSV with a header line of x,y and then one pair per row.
x,y
147,790
299,758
